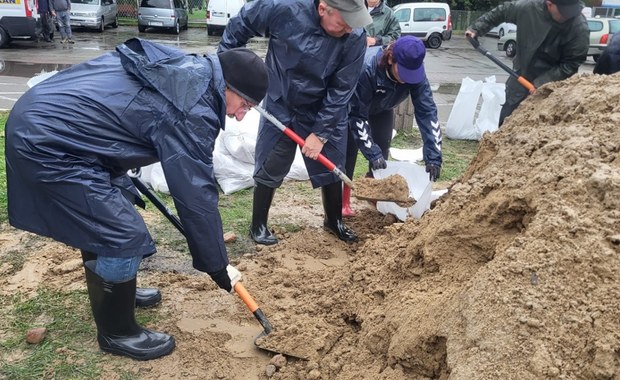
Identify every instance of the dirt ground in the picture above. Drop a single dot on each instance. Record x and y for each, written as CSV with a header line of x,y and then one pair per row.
x,y
514,273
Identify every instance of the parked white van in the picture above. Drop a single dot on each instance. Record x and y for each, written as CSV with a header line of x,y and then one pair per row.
x,y
94,14
18,20
430,22
219,12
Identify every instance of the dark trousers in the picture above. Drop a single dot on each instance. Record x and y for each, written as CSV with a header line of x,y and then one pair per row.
x,y
515,94
46,25
381,126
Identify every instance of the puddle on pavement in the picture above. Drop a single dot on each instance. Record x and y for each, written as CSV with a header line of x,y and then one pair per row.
x,y
449,88
28,70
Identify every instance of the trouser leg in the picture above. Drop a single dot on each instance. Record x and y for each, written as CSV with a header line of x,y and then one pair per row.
x,y
381,128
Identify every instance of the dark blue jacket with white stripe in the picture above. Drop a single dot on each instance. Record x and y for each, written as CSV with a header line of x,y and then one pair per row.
x,y
376,92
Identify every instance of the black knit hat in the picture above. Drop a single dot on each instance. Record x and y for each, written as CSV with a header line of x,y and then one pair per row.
x,y
245,73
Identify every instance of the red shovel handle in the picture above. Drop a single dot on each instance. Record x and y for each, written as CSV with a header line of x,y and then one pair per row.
x,y
321,158
295,137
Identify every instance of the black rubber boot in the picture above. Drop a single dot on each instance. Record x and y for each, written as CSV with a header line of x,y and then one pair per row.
x,y
113,306
263,195
332,204
145,297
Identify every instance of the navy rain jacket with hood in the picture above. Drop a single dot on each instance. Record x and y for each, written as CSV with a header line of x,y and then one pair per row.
x,y
376,92
71,138
311,76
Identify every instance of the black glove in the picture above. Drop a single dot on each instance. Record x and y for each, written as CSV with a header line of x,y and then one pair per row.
x,y
433,172
226,278
378,164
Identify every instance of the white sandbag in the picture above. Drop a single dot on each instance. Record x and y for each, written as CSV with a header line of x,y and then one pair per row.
x,y
493,96
417,179
153,175
460,123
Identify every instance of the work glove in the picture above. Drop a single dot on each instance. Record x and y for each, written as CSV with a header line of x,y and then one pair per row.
x,y
378,164
226,278
433,172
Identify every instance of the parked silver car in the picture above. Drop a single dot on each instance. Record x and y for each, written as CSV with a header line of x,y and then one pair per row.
x,y
94,14
162,14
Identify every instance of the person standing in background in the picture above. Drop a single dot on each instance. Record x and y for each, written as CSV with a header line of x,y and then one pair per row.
x,y
45,11
62,10
385,27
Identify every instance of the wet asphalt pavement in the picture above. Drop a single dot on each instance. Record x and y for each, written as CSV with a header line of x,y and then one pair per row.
x,y
21,60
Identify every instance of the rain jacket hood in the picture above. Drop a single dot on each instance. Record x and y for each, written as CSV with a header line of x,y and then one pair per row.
x,y
71,139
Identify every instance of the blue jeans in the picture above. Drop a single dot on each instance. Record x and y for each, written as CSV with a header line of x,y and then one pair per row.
x,y
117,269
64,23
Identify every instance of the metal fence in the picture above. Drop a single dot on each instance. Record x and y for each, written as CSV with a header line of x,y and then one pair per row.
x,y
462,19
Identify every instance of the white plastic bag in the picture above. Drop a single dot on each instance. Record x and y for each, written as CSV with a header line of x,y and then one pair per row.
x,y
493,96
460,123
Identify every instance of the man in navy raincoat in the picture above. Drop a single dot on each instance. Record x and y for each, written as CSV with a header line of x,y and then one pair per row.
x,y
390,75
316,51
71,139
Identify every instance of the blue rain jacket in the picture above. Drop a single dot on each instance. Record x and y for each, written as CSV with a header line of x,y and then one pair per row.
x,y
311,76
71,139
376,92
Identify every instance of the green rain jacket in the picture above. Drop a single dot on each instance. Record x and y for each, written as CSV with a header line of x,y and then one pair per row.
x,y
385,27
547,51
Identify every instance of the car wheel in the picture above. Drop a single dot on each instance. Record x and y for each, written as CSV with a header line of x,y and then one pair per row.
x,y
210,31
596,57
434,41
101,27
177,28
4,38
511,49
115,23
141,28
500,34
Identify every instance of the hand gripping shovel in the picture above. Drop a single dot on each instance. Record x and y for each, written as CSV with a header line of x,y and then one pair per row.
x,y
239,288
369,189
524,82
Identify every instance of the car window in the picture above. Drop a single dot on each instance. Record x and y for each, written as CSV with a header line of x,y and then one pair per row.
x,y
165,4
89,2
614,26
429,14
595,26
403,15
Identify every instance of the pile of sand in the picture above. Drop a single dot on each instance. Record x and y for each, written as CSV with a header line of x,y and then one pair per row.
x,y
515,273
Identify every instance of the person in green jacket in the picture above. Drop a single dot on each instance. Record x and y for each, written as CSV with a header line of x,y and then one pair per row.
x,y
553,42
385,27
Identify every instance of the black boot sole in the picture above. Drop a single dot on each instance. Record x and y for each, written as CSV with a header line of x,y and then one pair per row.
x,y
167,350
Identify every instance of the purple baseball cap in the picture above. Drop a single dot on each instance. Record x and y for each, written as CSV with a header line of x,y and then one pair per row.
x,y
408,53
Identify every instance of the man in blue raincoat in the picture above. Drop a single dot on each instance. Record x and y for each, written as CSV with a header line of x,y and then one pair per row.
x,y
71,139
315,54
390,75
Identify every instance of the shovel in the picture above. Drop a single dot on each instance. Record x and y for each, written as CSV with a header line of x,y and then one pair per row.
x,y
524,82
389,189
239,288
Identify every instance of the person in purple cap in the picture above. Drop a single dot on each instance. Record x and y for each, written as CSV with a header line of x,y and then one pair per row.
x,y
553,40
388,77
